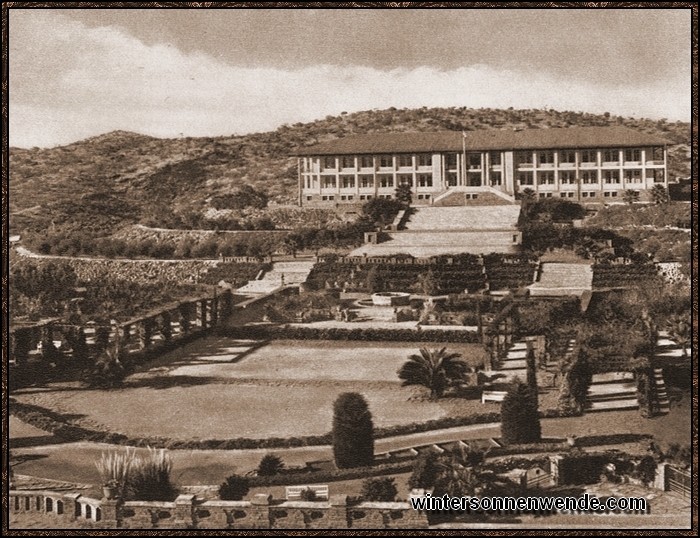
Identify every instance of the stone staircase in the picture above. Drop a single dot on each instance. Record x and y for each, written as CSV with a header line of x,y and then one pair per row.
x,y
614,391
472,196
664,405
464,218
291,273
562,279
668,350
514,364
432,231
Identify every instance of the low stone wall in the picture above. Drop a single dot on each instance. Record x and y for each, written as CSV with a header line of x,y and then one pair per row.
x,y
189,512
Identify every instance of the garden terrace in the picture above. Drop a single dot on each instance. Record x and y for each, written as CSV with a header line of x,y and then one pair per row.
x,y
450,274
623,275
509,271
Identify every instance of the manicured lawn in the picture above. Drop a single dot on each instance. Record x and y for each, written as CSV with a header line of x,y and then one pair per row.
x,y
283,389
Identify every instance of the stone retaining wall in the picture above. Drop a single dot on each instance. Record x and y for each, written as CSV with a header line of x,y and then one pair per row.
x,y
190,512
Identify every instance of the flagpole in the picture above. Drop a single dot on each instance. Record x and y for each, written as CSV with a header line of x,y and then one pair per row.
x,y
464,158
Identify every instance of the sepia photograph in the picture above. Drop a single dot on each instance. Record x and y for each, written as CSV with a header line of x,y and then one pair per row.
x,y
395,266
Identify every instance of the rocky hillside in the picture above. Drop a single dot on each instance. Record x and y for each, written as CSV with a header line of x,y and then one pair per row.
x,y
103,183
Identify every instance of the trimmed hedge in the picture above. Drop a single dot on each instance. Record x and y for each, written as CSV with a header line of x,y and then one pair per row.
x,y
333,475
283,332
56,424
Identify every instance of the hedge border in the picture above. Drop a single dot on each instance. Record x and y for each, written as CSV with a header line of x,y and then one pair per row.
x,y
283,332
56,424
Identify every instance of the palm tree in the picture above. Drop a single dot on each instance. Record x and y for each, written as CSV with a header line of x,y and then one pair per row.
x,y
659,194
630,196
678,327
434,369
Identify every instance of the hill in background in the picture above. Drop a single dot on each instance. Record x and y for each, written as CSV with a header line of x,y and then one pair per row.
x,y
103,183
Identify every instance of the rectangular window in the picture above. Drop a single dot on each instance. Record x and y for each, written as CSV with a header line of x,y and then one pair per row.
x,y
545,157
386,161
451,179
328,198
329,163
567,178
495,158
590,177
611,176
567,157
566,194
525,178
406,161
656,153
451,160
405,179
611,156
474,179
347,182
474,160
545,178
425,180
425,159
586,194
589,156
524,157
545,195
656,175
633,155
610,194
366,181
367,161
347,161
328,182
496,178
309,198
633,176
385,180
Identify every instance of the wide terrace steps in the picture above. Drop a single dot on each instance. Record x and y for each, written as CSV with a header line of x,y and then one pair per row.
x,y
563,279
613,391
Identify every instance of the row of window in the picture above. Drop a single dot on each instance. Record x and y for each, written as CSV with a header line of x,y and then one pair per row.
x,y
588,156
589,177
384,161
366,181
474,159
584,194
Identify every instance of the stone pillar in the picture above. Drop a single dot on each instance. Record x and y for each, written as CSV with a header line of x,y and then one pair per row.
x,y
660,478
338,512
554,461
260,511
214,311
111,510
184,311
202,313
145,332
70,505
183,515
166,329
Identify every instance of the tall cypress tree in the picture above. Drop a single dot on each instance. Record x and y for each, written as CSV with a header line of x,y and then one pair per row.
x,y
353,431
520,420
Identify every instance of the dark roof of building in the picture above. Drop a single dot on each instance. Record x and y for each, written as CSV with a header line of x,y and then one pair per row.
x,y
504,139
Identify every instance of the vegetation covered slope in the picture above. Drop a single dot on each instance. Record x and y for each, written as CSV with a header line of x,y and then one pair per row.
x,y
102,183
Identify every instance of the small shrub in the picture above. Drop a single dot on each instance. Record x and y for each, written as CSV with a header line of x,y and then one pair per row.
x,y
234,488
379,490
308,495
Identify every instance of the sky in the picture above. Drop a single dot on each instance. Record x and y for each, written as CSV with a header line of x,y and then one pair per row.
x,y
76,73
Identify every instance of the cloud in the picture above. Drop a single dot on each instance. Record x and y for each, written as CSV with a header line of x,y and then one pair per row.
x,y
69,81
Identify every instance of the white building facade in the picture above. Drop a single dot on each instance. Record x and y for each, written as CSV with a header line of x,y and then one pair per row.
x,y
584,164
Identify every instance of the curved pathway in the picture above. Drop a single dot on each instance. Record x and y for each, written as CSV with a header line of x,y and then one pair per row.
x,y
50,458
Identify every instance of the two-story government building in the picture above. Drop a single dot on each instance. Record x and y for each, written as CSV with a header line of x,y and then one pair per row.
x,y
586,164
